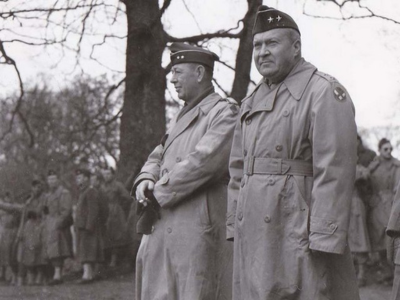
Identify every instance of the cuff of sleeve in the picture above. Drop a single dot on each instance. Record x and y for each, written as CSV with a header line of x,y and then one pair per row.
x,y
162,192
139,179
230,232
325,236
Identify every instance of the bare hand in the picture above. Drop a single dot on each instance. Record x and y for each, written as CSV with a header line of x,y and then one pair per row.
x,y
145,185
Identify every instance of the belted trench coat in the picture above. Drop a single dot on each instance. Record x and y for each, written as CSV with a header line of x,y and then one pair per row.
x,y
187,256
292,171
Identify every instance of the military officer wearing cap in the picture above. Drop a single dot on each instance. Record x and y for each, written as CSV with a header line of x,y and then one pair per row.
x,y
185,255
292,172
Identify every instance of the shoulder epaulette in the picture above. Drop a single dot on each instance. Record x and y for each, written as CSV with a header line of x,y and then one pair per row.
x,y
231,100
326,76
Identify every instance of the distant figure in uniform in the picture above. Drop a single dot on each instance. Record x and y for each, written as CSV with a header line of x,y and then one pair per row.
x,y
292,169
30,239
393,231
359,241
90,244
385,175
118,197
182,188
9,221
58,211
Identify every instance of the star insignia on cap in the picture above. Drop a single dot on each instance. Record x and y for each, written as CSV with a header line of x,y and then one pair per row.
x,y
278,18
270,19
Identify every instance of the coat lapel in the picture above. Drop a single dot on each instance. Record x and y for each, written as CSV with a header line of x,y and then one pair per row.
x,y
184,122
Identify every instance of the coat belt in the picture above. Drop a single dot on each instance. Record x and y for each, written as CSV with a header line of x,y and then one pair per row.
x,y
277,166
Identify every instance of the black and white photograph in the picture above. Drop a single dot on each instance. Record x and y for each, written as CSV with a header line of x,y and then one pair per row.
x,y
200,150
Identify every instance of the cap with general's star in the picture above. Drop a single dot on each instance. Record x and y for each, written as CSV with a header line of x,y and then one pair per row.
x,y
184,53
269,18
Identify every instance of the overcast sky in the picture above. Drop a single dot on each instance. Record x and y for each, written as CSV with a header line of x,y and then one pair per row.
x,y
363,54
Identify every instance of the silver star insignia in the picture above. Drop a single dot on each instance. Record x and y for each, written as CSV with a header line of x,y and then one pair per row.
x,y
270,19
278,18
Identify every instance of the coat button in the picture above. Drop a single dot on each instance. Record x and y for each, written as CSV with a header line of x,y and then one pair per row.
x,y
286,113
178,159
267,219
279,148
240,216
332,226
271,181
248,121
163,172
169,230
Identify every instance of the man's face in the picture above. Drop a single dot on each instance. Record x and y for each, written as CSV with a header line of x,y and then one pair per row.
x,y
108,175
275,53
81,180
386,151
52,181
184,78
36,189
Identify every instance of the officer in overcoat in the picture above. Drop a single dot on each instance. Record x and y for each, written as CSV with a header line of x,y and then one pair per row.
x,y
58,221
292,172
186,256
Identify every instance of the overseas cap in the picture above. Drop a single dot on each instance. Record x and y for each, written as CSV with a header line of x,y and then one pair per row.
x,y
270,18
184,53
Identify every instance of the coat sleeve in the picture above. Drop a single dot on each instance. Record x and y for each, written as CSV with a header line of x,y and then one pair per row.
x,y
207,162
393,228
151,169
333,138
92,209
236,174
64,209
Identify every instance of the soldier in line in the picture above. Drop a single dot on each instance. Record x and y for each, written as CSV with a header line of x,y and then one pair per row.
x,y
31,253
9,221
385,175
88,226
359,241
118,198
183,186
292,169
58,211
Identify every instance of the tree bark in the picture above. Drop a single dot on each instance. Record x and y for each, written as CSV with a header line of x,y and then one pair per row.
x,y
143,112
244,54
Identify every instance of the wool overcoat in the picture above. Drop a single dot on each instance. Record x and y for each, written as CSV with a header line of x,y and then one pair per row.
x,y
58,224
292,171
90,243
187,256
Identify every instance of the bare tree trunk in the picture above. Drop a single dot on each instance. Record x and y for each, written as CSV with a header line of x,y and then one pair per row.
x,y
143,113
244,54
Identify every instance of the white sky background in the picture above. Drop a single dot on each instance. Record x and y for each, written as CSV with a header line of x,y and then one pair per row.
x,y
363,54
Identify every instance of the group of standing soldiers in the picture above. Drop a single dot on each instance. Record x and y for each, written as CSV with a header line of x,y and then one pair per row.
x,y
377,178
36,236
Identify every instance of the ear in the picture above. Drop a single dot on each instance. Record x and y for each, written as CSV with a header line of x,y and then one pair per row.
x,y
200,72
297,48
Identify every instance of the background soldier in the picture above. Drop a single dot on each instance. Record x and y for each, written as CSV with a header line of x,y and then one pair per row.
x,y
118,206
385,175
292,175
359,241
88,226
185,255
58,210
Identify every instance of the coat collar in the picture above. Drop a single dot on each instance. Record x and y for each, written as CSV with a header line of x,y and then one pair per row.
x,y
180,126
298,79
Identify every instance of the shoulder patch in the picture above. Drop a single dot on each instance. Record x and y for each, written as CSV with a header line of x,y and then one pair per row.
x,y
339,93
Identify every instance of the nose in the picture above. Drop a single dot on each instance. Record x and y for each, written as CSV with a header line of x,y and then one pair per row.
x,y
173,79
264,51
